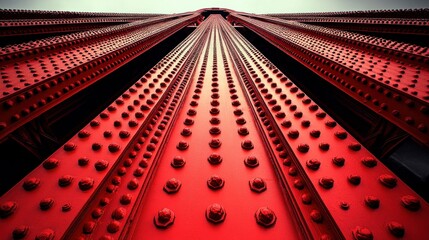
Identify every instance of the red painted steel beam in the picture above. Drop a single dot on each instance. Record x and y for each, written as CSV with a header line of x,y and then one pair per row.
x,y
53,72
39,14
413,26
391,13
21,27
391,81
360,194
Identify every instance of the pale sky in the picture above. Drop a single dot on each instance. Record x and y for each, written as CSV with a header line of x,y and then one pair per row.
x,y
177,6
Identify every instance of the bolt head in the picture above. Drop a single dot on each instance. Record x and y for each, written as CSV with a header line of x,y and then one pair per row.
x,y
214,158
257,185
215,213
164,218
251,161
178,162
215,182
265,217
172,185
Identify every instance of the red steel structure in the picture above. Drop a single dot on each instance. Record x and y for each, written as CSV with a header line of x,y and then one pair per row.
x,y
214,141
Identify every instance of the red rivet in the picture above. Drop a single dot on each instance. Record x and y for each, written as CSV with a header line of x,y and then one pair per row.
x,y
251,162
215,213
362,233
339,161
68,147
86,184
7,209
215,143
388,180
88,227
101,165
172,185
186,132
326,182
247,144
84,134
182,145
119,213
396,229
133,184
344,205
306,198
31,184
316,216
164,218
354,179
265,217
20,232
214,158
313,164
257,185
46,234
369,162
214,131
113,226
215,182
372,202
178,162
294,134
50,163
126,199
65,180
410,202
303,148
243,131
46,204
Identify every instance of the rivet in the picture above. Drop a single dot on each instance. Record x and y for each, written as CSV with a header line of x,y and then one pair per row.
x,y
294,134
372,202
68,147
83,134
31,184
344,205
66,207
306,198
215,213
243,131
326,182
251,162
241,121
83,161
101,165
341,135
215,143
362,233
133,184
388,180
172,185
303,148
214,159
324,146
20,232
7,209
126,199
188,122
298,184
355,146
313,164
50,163
46,234
354,179
164,218
410,202
265,217
182,145
396,229
316,216
214,121
96,146
138,172
113,226
215,182
46,204
369,162
86,184
186,132
65,180
257,185
119,213
315,133
214,131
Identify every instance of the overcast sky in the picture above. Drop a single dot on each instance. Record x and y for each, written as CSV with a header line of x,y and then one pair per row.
x,y
176,6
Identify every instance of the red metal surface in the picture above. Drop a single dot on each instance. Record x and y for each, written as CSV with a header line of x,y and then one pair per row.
x,y
396,90
31,86
214,142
